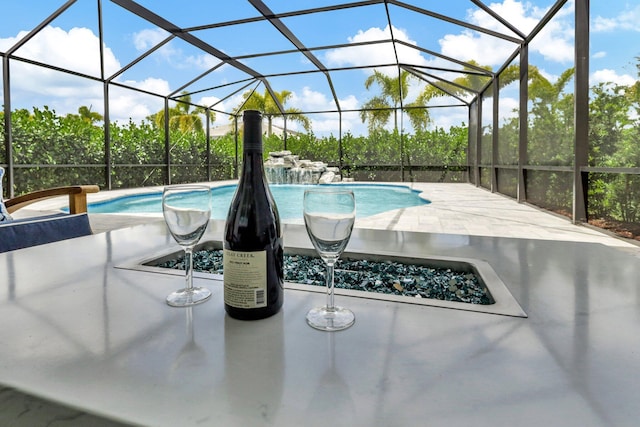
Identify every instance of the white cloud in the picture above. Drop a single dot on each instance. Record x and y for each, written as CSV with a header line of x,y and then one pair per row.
x,y
171,53
128,104
349,103
208,101
226,105
626,20
150,84
78,50
311,100
506,108
377,53
554,42
522,16
125,104
148,38
202,62
607,75
484,49
326,123
380,54
547,75
447,117
128,107
557,39
599,55
600,24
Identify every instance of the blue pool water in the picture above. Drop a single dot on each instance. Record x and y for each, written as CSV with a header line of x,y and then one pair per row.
x,y
371,199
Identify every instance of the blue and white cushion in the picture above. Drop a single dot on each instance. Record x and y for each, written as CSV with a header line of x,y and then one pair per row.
x,y
4,215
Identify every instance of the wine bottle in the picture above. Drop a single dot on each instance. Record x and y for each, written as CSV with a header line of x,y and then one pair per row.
x,y
253,253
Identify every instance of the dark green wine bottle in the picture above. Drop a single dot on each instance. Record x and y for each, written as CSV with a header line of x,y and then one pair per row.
x,y
253,245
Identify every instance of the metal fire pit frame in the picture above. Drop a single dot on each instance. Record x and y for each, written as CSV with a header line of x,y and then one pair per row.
x,y
503,302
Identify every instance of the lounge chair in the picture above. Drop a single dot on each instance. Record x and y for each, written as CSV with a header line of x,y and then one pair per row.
x,y
26,232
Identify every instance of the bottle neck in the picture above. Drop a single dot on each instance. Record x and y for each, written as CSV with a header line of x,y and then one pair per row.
x,y
252,143
253,156
252,139
252,164
253,149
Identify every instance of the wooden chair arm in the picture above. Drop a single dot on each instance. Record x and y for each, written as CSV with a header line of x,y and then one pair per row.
x,y
77,197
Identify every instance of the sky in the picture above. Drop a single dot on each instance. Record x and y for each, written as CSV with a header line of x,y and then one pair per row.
x,y
71,41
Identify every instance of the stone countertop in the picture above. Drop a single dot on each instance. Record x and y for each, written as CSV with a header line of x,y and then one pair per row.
x,y
83,334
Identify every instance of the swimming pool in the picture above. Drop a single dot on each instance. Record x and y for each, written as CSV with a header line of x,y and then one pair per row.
x,y
371,199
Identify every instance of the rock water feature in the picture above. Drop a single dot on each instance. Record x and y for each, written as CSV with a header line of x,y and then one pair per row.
x,y
282,167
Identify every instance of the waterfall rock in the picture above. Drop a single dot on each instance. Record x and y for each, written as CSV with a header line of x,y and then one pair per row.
x,y
283,167
327,178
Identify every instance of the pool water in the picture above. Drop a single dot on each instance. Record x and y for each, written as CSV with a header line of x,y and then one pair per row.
x,y
371,199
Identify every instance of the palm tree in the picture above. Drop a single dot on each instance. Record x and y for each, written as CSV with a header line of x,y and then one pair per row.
x,y
378,109
89,116
476,81
253,100
182,117
418,116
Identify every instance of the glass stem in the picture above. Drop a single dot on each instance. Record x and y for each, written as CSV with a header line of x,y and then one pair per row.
x,y
188,267
330,304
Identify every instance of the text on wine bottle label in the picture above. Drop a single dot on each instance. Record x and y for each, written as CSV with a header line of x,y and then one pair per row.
x,y
245,278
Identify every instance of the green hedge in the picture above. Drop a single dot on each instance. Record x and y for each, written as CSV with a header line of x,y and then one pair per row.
x,y
51,150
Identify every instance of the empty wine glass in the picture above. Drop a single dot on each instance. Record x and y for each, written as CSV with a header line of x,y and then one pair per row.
x,y
329,214
187,209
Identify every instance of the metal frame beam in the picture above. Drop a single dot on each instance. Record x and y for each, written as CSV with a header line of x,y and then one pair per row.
x,y
523,124
581,112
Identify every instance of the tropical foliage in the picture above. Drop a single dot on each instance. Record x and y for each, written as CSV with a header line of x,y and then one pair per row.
x,y
266,104
183,117
378,110
51,150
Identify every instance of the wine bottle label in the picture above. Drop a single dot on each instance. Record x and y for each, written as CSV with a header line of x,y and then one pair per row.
x,y
245,278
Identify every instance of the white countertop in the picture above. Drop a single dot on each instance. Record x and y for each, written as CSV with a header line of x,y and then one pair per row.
x,y
82,333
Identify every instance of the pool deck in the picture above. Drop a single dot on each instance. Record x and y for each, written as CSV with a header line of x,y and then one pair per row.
x,y
461,209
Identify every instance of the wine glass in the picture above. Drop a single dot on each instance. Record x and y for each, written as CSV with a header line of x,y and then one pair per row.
x,y
187,209
329,214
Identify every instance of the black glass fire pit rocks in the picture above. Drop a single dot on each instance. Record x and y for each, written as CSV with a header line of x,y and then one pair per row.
x,y
380,276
